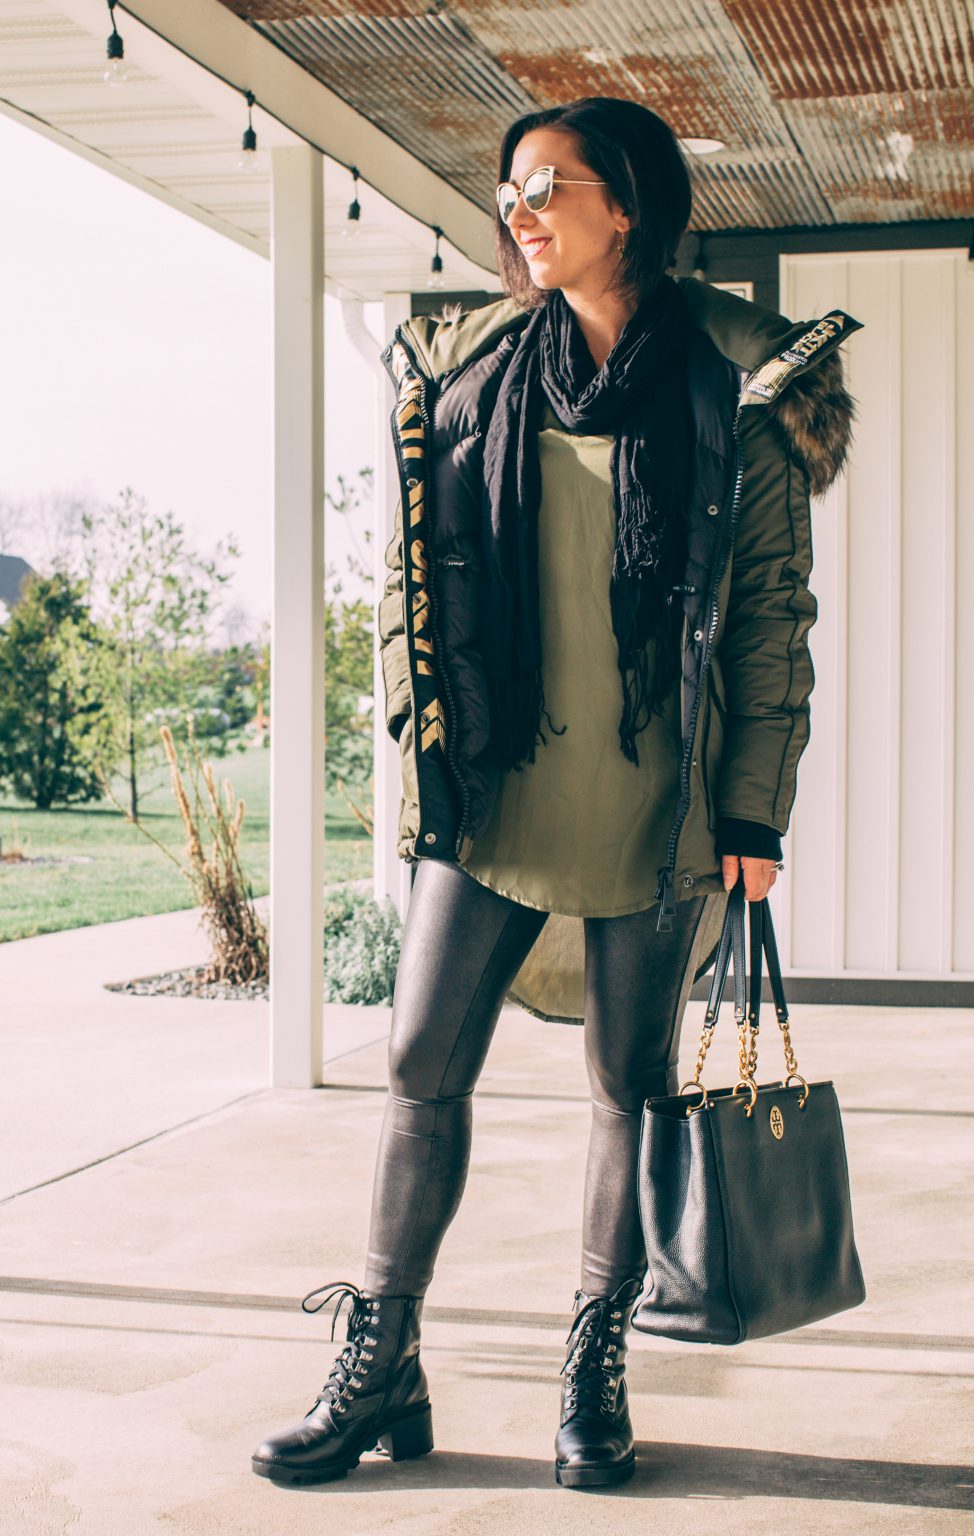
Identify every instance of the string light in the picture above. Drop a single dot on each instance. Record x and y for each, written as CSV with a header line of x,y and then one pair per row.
x,y
248,144
352,227
117,72
436,278
248,160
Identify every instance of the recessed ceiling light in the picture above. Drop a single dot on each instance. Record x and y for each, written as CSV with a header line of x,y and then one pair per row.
x,y
703,146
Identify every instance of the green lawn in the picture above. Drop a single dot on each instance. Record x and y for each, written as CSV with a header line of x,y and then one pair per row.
x,y
125,875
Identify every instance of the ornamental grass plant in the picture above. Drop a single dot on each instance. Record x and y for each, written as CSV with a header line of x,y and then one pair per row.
x,y
238,936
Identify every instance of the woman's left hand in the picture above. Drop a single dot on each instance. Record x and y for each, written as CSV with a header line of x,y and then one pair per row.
x,y
759,874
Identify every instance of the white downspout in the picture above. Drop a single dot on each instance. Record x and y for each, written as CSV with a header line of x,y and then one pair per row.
x,y
392,876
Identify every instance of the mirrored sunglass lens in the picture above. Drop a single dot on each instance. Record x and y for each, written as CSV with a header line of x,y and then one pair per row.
x,y
537,190
506,200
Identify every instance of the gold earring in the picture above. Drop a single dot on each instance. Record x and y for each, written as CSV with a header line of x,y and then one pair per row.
x,y
622,246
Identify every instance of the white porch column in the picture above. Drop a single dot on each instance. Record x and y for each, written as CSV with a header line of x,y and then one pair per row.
x,y
297,796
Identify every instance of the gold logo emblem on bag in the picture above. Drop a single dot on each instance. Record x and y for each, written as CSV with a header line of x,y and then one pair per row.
x,y
777,1122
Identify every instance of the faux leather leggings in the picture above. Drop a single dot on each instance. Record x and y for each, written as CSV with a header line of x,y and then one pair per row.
x,y
463,945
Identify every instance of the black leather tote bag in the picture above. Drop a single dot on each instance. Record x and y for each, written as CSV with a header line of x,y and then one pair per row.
x,y
744,1191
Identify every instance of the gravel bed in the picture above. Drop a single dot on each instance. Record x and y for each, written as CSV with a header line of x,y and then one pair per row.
x,y
187,983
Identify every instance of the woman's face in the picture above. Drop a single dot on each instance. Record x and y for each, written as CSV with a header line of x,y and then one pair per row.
x,y
572,244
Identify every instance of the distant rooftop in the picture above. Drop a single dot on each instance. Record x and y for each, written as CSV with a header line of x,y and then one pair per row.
x,y
12,572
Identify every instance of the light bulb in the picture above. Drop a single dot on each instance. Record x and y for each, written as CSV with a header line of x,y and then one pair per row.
x,y
352,227
247,161
117,71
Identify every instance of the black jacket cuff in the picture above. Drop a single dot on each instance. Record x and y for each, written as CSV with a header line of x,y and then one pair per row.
x,y
749,838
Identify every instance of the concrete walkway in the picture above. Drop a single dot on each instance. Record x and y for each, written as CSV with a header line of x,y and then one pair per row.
x,y
163,1214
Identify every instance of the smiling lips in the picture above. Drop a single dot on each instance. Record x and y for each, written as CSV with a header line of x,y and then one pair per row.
x,y
532,247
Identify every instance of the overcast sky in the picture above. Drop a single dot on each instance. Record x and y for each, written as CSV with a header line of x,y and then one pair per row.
x,y
137,351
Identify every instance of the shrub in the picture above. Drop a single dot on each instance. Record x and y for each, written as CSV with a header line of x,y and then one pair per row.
x,y
362,942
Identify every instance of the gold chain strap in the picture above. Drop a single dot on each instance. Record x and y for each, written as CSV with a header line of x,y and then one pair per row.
x,y
702,1049
790,1061
747,1050
747,1058
747,1053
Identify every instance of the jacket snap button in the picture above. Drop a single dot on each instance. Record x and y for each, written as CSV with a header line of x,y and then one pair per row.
x,y
713,509
412,481
430,837
687,879
698,634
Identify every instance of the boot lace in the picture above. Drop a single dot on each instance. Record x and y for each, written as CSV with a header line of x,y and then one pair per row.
x,y
593,1344
348,1372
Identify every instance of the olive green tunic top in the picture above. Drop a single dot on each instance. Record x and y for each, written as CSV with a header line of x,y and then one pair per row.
x,y
581,830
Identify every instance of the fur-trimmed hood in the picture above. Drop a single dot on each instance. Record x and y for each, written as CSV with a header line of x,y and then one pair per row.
x,y
804,388
815,416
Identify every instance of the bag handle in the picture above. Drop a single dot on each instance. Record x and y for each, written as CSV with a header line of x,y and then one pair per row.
x,y
747,996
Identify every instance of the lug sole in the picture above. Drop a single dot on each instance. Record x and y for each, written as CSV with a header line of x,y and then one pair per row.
x,y
403,1439
594,1474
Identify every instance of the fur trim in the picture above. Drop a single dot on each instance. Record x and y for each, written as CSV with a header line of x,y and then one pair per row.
x,y
815,415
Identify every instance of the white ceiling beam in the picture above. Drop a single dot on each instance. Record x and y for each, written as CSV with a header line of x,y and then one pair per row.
x,y
156,189
215,38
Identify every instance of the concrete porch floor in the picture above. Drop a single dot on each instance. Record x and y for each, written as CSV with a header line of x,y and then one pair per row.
x,y
163,1213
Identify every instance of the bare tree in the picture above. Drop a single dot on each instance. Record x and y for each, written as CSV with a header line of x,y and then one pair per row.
x,y
158,597
47,529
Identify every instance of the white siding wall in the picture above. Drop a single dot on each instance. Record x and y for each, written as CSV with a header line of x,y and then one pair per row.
x,y
879,856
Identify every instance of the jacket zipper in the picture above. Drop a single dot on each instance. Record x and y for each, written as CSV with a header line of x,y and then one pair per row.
x,y
664,888
448,692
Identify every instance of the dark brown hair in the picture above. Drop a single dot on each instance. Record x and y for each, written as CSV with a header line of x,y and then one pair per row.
x,y
639,157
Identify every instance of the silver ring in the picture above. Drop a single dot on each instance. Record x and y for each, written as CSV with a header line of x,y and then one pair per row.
x,y
779,866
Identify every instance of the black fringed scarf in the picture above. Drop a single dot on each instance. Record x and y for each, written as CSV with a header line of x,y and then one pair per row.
x,y
639,395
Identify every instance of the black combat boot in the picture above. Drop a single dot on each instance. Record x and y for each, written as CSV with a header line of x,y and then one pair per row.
x,y
594,1444
376,1396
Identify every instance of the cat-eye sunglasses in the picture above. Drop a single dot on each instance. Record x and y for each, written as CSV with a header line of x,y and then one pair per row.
x,y
536,190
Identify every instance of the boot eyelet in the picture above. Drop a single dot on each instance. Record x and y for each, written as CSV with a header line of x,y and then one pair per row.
x,y
617,1314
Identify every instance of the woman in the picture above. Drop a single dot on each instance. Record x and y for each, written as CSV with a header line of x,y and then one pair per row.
x,y
595,657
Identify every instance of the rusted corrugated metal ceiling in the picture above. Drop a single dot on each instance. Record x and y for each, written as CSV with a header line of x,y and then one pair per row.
x,y
858,112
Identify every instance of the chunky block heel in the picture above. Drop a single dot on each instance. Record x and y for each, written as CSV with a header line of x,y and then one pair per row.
x,y
409,1437
594,1446
376,1395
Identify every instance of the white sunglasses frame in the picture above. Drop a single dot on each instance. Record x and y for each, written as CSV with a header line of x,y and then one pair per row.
x,y
555,180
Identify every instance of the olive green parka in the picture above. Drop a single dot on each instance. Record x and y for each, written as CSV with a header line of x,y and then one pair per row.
x,y
772,429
